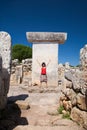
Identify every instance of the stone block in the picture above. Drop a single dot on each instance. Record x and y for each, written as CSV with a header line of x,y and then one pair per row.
x,y
82,102
24,105
19,74
46,37
5,67
45,48
79,116
45,52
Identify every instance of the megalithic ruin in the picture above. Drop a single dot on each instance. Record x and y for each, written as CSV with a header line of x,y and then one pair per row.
x,y
5,67
45,49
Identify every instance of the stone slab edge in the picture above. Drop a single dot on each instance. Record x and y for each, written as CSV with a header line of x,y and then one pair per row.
x,y
55,37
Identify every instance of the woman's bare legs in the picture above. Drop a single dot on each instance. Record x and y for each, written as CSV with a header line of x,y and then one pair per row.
x,y
40,84
46,84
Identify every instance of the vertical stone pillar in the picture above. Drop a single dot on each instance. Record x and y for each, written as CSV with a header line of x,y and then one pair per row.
x,y
45,49
5,66
83,61
19,74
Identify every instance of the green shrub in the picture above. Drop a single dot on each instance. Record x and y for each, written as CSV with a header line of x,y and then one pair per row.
x,y
66,116
60,109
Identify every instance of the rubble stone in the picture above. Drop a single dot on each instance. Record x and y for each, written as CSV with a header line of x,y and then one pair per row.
x,y
79,116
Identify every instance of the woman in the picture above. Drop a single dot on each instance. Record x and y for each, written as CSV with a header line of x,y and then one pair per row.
x,y
43,74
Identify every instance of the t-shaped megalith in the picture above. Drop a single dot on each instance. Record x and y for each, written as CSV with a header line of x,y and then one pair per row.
x,y
45,49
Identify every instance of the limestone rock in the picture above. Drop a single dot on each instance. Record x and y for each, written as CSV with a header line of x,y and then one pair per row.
x,y
5,67
5,50
24,105
67,105
46,43
75,77
82,102
69,93
15,62
83,61
19,74
27,61
83,56
74,101
60,71
46,37
19,71
69,84
79,116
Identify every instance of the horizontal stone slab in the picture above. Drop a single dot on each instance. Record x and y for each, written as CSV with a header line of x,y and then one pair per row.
x,y
46,37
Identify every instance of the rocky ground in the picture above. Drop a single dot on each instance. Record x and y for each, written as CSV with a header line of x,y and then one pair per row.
x,y
34,111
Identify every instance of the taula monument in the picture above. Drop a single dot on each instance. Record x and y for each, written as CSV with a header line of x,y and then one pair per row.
x,y
45,49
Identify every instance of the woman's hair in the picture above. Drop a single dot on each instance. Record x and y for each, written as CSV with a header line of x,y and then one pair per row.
x,y
43,64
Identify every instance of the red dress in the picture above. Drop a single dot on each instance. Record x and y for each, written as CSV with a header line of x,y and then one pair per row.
x,y
43,76
43,70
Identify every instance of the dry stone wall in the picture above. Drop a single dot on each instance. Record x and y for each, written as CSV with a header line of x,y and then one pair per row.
x,y
74,91
21,72
5,67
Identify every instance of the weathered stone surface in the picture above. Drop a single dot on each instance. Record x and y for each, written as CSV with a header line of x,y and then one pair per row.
x,y
68,83
83,82
82,102
27,61
78,79
46,37
47,53
5,66
83,56
24,105
75,77
74,101
45,49
77,94
83,61
60,71
5,50
19,74
15,62
69,93
67,105
79,116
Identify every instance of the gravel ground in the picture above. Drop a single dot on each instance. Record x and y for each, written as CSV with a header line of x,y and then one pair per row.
x,y
37,116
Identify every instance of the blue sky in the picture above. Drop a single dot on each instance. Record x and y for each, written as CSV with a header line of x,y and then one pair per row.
x,y
20,16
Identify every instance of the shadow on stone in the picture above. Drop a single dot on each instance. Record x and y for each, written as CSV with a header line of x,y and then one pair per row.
x,y
18,97
11,117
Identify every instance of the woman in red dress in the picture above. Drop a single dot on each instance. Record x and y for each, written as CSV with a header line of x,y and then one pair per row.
x,y
43,74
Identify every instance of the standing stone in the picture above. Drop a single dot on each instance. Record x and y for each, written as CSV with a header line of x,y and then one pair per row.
x,y
45,49
19,74
83,61
83,56
5,66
